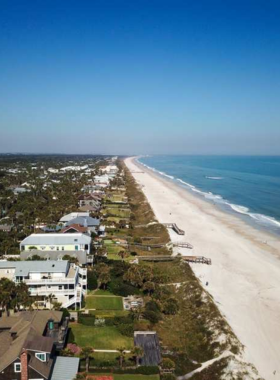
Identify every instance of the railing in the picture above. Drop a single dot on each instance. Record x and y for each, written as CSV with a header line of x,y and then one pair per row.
x,y
46,281
65,292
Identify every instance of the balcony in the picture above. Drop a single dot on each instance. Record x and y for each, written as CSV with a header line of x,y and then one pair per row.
x,y
45,292
49,281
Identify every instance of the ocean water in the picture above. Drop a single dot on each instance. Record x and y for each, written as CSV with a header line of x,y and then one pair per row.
x,y
248,186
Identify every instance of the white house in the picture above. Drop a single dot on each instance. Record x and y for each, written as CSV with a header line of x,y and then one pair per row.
x,y
65,282
56,242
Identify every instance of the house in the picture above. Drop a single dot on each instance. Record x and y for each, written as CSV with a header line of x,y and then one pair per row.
x,y
28,344
74,228
149,341
57,242
109,169
89,200
5,227
89,208
65,282
72,215
81,256
90,223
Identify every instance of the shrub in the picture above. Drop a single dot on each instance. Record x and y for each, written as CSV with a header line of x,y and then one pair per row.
x,y
86,319
116,286
168,376
92,280
153,306
126,329
171,306
152,316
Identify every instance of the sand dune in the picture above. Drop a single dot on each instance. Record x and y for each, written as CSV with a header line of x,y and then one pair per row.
x,y
244,277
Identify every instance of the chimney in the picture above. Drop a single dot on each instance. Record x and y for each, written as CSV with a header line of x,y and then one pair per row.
x,y
24,365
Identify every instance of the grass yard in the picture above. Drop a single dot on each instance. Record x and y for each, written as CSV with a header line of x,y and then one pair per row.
x,y
104,302
101,292
106,338
109,313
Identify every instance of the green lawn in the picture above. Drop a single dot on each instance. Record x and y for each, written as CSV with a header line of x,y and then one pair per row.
x,y
106,338
104,303
101,292
109,313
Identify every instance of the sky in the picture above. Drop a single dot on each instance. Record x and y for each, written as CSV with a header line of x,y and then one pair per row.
x,y
140,77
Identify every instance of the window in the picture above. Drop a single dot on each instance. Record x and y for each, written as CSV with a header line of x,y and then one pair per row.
x,y
60,287
76,247
62,248
86,246
17,367
57,248
41,356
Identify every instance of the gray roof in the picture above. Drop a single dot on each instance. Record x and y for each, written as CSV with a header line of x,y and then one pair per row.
x,y
73,215
86,221
23,268
56,239
55,255
65,368
149,341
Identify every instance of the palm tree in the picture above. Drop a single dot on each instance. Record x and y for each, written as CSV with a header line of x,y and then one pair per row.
x,y
123,254
87,353
122,355
138,353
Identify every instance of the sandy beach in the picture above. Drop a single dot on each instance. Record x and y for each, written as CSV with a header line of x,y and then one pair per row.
x,y
244,278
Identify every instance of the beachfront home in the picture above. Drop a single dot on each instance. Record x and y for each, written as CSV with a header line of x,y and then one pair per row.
x,y
78,256
72,215
56,242
90,223
67,283
28,344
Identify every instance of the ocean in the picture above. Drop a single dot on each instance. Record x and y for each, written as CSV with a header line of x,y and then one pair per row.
x,y
248,186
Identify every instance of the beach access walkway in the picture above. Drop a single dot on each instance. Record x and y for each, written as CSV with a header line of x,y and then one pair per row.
x,y
174,227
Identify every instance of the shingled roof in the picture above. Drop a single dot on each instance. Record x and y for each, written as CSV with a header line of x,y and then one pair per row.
x,y
28,328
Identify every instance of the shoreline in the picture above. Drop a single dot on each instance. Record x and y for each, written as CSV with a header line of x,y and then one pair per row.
x,y
244,278
273,228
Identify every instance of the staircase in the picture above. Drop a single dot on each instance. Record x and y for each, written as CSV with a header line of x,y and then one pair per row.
x,y
77,299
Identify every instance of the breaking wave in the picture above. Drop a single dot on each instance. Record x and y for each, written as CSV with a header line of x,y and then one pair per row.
x,y
259,218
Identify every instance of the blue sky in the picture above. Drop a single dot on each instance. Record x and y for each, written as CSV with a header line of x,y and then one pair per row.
x,y
140,77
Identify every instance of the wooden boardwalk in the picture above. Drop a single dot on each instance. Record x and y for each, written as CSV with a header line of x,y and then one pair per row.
x,y
197,259
174,227
183,245
189,259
